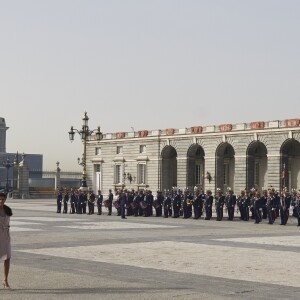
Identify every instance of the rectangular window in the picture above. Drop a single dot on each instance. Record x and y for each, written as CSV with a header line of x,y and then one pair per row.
x,y
97,168
98,150
256,174
142,148
118,174
198,174
141,173
119,149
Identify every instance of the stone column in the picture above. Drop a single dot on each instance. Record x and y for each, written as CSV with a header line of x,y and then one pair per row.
x,y
240,174
57,177
182,170
274,175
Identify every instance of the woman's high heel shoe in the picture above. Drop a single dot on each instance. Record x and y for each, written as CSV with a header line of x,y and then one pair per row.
x,y
5,285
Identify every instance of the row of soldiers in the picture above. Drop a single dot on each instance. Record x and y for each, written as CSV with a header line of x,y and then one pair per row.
x,y
250,204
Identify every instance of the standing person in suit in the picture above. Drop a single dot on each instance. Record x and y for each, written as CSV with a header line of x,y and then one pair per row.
x,y
110,201
66,199
59,201
219,203
99,202
230,202
5,244
208,203
123,203
167,204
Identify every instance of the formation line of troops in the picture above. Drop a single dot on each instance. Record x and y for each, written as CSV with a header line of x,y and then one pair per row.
x,y
255,205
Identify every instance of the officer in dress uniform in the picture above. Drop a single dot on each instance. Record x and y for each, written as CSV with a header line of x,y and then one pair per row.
x,y
198,204
257,206
271,206
187,205
73,201
246,202
59,201
208,203
285,202
110,201
66,199
167,204
123,203
91,202
230,203
219,203
99,202
176,204
159,203
130,197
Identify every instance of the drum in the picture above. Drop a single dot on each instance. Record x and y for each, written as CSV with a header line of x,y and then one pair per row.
x,y
106,203
116,204
156,204
133,205
143,204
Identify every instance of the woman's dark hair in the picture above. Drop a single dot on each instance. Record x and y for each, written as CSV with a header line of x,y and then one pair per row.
x,y
3,195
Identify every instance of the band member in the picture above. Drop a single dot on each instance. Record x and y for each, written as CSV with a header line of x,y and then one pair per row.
x,y
271,205
167,204
159,203
59,201
110,201
84,201
208,203
239,204
246,201
130,197
136,204
66,199
123,203
91,202
139,199
187,205
219,203
198,204
285,202
257,207
73,201
99,202
176,204
264,204
230,203
149,201
252,195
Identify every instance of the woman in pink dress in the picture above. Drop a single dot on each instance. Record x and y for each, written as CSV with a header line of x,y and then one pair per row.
x,y
5,248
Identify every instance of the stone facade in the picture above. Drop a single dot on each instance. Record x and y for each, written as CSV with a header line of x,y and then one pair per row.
x,y
257,154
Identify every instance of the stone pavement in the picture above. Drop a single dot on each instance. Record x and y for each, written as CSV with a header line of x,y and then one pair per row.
x,y
64,256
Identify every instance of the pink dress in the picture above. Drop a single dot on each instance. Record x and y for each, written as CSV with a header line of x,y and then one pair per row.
x,y
5,248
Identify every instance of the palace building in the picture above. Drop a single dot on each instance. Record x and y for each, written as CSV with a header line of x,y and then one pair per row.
x,y
239,156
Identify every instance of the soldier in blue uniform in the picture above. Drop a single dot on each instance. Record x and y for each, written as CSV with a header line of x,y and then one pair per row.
x,y
176,204
99,202
66,199
59,201
271,206
91,202
208,203
230,203
285,202
84,203
167,204
219,203
257,206
159,203
187,205
198,204
123,203
130,197
73,201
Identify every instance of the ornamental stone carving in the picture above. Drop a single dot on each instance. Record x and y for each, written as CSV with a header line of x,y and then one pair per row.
x,y
143,133
120,135
257,125
225,127
196,129
170,131
292,123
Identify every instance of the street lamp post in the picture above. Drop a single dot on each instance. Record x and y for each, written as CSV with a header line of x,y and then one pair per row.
x,y
8,164
85,135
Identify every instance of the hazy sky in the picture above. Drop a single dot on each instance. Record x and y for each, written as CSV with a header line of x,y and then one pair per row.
x,y
149,64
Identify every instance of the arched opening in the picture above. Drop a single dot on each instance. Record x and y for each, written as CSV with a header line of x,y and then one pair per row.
x,y
257,166
169,167
290,164
225,166
195,167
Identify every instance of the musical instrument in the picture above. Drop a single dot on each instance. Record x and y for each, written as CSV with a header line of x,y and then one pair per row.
x,y
156,204
106,203
133,204
143,204
116,204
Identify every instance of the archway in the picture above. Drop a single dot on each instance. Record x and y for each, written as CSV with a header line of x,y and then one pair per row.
x,y
169,167
257,166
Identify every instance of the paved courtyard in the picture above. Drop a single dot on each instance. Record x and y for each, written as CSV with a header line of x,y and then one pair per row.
x,y
64,256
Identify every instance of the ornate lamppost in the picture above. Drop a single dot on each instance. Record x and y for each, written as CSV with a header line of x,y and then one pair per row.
x,y
7,164
85,135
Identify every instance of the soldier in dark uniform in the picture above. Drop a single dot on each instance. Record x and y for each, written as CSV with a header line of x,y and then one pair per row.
x,y
219,203
271,206
140,198
84,198
73,201
277,203
297,207
246,202
230,202
208,203
80,202
110,201
293,202
198,204
239,204
123,203
130,197
176,204
264,203
187,205
59,201
99,202
257,206
285,202
66,199
167,204
91,202
159,203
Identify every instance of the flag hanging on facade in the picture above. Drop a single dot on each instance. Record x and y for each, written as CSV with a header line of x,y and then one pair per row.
x,y
283,171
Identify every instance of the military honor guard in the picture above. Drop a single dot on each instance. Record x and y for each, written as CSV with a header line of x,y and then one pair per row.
x,y
230,204
59,201
176,204
198,204
285,202
99,202
187,204
73,200
123,203
130,197
257,207
66,199
271,206
109,202
297,207
167,205
208,203
219,204
158,203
